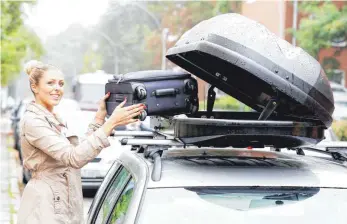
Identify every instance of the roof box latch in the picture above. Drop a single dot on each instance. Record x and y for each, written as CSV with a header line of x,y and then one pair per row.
x,y
269,109
210,100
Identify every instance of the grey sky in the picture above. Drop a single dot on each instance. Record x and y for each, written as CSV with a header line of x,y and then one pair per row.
x,y
49,17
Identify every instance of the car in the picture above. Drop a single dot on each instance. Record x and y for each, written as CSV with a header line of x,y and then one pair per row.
x,y
16,114
208,170
89,88
340,112
329,135
337,88
208,185
93,173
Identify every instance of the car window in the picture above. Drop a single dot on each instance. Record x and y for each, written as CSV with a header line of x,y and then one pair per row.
x,y
244,205
122,205
116,186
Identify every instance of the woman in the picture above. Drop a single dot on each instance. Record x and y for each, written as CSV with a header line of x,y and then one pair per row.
x,y
54,193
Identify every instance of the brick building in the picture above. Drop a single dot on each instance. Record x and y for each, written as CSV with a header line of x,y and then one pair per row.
x,y
277,16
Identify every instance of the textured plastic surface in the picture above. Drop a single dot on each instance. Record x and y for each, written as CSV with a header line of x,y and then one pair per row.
x,y
243,133
245,60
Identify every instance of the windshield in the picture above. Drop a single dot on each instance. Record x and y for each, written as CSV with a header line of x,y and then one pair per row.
x,y
244,205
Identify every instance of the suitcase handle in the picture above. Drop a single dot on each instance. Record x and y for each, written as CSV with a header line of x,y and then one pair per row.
x,y
120,97
165,92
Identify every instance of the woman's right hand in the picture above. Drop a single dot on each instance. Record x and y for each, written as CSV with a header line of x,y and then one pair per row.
x,y
123,116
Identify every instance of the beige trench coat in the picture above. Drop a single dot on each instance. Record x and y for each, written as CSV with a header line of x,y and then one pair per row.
x,y
54,193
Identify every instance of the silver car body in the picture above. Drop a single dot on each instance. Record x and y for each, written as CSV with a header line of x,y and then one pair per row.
x,y
226,168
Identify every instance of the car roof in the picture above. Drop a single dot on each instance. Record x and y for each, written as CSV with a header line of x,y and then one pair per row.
x,y
241,167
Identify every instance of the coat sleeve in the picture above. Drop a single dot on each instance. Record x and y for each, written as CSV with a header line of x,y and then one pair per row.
x,y
41,135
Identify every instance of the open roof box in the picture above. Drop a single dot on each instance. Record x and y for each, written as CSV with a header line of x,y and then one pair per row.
x,y
285,85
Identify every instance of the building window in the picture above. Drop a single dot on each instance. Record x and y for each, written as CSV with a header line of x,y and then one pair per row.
x,y
337,76
339,40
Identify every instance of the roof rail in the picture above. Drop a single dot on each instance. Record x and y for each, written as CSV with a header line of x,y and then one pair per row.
x,y
335,153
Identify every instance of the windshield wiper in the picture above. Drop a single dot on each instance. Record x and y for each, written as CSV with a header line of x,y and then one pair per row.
x,y
283,196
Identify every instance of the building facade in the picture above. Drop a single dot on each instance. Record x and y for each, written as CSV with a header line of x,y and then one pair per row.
x,y
279,16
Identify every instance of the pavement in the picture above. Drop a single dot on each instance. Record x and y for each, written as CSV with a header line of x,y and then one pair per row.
x,y
9,182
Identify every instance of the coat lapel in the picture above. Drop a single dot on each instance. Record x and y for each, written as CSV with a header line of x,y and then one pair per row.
x,y
54,121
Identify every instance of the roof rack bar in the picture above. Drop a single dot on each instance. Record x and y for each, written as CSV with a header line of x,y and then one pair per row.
x,y
335,154
134,133
156,142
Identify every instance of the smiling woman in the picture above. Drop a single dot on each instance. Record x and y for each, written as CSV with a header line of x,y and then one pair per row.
x,y
54,155
49,88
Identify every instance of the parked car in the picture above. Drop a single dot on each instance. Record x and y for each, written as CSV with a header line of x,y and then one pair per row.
x,y
340,112
16,115
337,88
207,171
93,173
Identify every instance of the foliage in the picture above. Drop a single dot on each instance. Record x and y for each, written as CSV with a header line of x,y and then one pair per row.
x,y
67,49
17,41
135,29
323,23
340,129
92,61
230,103
178,17
121,35
122,206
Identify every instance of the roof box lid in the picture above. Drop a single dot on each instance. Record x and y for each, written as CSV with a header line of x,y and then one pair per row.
x,y
244,59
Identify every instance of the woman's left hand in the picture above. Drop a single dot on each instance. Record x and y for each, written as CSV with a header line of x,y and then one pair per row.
x,y
101,113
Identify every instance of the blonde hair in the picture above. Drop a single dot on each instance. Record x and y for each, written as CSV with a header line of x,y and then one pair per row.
x,y
36,69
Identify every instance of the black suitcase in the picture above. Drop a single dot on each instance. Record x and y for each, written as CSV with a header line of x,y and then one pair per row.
x,y
165,93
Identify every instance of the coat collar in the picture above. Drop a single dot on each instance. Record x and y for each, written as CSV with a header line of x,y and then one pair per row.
x,y
38,109
52,118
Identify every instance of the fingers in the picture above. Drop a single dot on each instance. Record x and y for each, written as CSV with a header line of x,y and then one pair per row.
x,y
132,115
129,121
134,106
122,103
106,96
136,109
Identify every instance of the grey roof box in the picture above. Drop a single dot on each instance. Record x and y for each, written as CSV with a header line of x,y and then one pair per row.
x,y
245,60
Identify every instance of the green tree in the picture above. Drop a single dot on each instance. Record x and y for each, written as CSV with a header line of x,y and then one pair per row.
x,y
179,17
17,41
323,23
136,29
122,31
92,61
